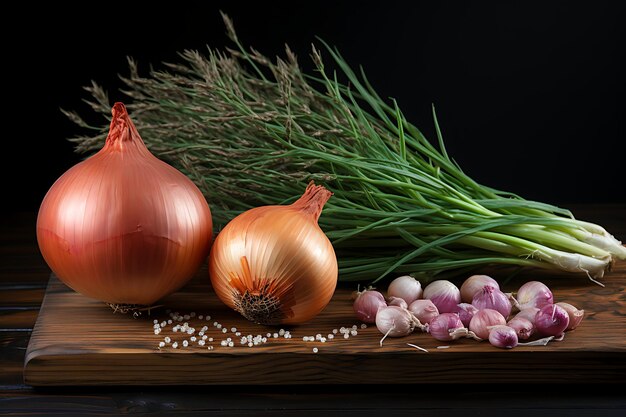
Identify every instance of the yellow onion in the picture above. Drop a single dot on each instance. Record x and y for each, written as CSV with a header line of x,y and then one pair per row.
x,y
122,226
273,264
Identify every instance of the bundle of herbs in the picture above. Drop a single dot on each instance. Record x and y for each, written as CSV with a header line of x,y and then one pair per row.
x,y
250,131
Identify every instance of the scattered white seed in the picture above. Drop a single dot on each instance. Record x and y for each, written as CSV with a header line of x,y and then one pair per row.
x,y
231,344
175,329
161,344
250,344
169,321
223,343
201,342
210,339
264,340
210,348
185,343
315,350
155,321
281,332
186,316
192,338
200,333
192,314
237,333
219,326
346,336
228,339
323,340
330,336
224,330
354,326
214,324
275,335
175,345
353,333
233,330
269,335
163,323
200,317
334,331
363,326
207,318
167,339
205,337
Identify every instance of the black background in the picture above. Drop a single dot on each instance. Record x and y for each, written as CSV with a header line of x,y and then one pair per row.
x,y
530,96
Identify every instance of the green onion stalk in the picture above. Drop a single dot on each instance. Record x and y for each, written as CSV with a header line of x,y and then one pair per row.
x,y
250,131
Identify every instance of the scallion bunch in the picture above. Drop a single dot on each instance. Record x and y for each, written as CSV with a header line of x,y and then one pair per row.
x,y
249,132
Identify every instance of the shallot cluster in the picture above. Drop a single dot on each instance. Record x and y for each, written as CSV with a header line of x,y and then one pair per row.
x,y
478,310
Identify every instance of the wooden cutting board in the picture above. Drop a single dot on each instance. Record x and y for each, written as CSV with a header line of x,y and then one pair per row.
x,y
79,341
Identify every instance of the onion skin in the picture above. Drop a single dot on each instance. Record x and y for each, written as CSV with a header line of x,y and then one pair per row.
x,y
276,253
424,310
492,298
483,320
474,284
367,304
523,327
575,315
123,226
444,295
465,312
443,325
503,337
551,320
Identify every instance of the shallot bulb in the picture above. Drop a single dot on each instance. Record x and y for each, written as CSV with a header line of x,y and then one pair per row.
x,y
503,337
528,313
465,312
398,302
493,298
274,264
448,326
483,320
394,321
533,294
405,287
575,315
551,320
523,327
444,295
123,226
367,304
474,284
424,310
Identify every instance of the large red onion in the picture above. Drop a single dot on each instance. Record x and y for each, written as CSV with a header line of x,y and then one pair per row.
x,y
122,226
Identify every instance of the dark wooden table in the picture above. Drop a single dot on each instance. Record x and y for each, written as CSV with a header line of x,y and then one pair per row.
x,y
23,278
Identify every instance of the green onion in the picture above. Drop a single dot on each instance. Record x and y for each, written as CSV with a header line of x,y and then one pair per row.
x,y
250,132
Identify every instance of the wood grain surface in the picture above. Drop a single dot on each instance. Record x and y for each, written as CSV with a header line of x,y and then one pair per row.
x,y
22,270
79,341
